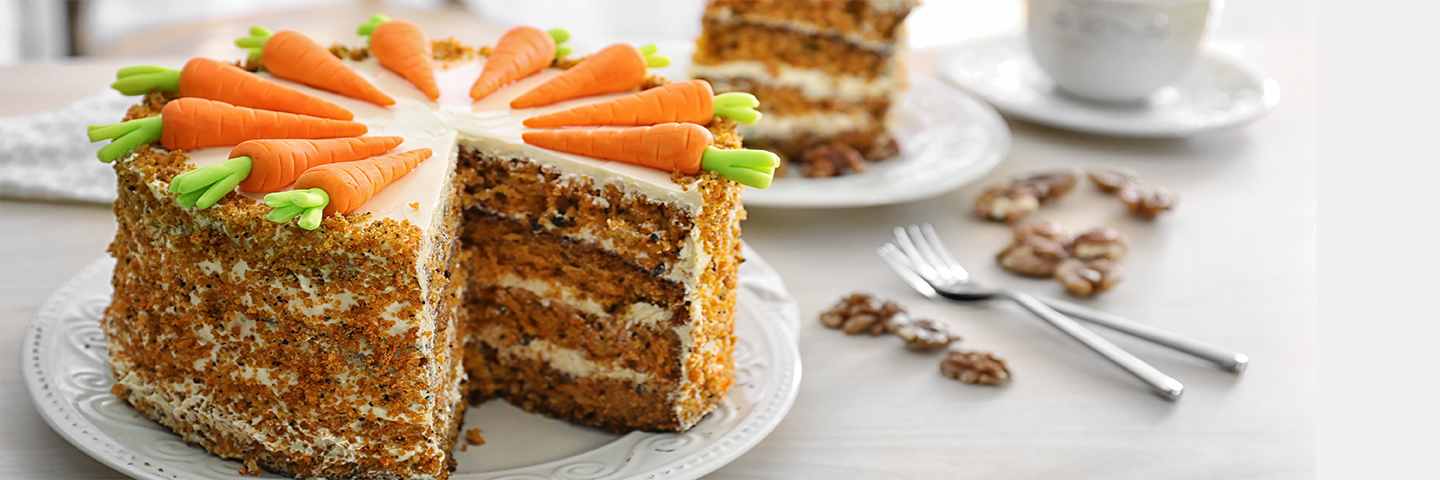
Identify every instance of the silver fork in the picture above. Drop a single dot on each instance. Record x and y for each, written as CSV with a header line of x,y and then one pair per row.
x,y
929,258
1161,384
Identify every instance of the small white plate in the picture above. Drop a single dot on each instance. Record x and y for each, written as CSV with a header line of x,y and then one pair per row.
x,y
1219,91
946,138
63,363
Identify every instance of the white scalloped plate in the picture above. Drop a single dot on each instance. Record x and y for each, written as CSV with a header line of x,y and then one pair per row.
x,y
63,362
947,139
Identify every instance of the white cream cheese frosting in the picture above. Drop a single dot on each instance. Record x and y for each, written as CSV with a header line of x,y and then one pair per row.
x,y
487,125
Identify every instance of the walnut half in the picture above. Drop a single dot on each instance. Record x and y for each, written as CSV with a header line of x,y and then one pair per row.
x,y
1099,242
1141,199
921,334
1084,279
1038,247
1007,204
1023,195
862,313
857,313
975,367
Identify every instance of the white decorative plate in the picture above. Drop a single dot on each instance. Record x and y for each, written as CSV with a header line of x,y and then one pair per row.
x,y
63,362
946,138
1219,91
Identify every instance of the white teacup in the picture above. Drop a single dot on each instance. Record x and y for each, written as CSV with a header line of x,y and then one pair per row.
x,y
1115,50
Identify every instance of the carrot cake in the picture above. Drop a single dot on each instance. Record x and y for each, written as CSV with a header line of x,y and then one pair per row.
x,y
345,344
826,71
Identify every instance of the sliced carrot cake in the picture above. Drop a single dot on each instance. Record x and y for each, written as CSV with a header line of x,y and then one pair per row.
x,y
826,71
315,271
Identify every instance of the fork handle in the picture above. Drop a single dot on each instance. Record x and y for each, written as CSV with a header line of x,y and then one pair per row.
x,y
1168,388
1227,359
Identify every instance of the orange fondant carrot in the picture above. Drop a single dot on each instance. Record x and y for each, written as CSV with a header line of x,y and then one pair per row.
x,y
691,101
404,49
278,163
340,187
683,147
668,146
264,166
351,184
293,56
193,123
519,53
617,68
216,80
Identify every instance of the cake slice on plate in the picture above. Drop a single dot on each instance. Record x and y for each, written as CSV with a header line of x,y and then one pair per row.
x,y
826,72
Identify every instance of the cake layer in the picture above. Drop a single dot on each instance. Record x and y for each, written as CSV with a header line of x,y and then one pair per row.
x,y
212,307
808,85
644,346
575,207
542,256
616,404
790,101
577,344
875,24
723,42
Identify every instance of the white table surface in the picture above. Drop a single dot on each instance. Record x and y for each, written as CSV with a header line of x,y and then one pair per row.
x,y
1234,264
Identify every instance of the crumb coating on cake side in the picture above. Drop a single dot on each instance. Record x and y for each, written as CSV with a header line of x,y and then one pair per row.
x,y
212,307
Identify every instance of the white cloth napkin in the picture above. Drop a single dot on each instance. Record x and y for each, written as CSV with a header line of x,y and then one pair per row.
x,y
46,156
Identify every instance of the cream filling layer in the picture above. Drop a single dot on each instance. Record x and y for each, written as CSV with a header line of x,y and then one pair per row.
x,y
816,123
641,313
690,264
815,84
892,5
565,360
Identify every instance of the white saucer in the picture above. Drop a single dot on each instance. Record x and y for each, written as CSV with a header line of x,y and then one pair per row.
x,y
1220,91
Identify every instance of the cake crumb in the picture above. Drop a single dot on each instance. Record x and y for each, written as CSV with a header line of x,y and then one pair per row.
x,y
451,50
472,437
346,52
415,205
251,468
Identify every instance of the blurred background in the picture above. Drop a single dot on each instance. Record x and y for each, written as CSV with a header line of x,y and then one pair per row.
x,y
40,31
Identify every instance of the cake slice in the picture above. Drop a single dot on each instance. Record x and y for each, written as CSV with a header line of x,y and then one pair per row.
x,y
333,352
601,292
826,72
